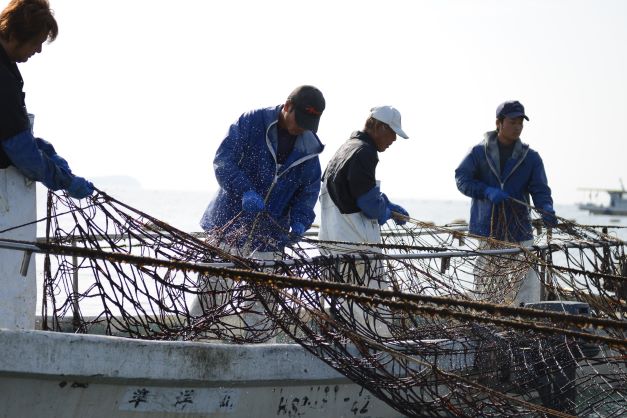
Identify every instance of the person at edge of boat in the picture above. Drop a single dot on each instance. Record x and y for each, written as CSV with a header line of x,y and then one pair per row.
x,y
268,171
352,204
24,26
500,167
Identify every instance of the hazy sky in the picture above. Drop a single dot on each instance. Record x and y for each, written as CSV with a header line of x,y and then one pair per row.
x,y
148,88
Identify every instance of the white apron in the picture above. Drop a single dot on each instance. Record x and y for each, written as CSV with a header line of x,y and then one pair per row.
x,y
351,227
354,228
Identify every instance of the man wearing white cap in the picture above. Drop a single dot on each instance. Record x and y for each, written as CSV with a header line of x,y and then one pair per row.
x,y
352,204
353,207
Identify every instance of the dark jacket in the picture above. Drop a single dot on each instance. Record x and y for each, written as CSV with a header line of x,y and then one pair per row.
x,y
33,157
351,172
523,175
246,160
13,115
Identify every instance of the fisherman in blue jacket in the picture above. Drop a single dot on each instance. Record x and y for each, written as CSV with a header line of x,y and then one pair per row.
x,y
500,167
503,167
269,174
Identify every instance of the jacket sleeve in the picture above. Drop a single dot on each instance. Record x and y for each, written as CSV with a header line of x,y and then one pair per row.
x,y
373,203
47,148
539,185
226,162
34,163
466,177
303,202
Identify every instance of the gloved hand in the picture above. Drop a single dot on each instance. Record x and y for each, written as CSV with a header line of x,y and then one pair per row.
x,y
252,202
298,229
548,216
387,214
495,195
398,209
296,233
80,188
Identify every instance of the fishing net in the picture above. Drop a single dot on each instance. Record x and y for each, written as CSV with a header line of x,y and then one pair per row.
x,y
428,320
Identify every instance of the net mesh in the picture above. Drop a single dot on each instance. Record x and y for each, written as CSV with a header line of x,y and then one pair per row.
x,y
428,320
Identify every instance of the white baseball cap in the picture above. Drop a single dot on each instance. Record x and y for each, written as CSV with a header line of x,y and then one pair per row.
x,y
390,116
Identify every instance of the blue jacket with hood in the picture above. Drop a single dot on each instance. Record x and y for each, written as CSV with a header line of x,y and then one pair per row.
x,y
246,160
523,175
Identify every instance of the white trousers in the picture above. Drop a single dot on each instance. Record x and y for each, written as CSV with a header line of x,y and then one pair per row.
x,y
506,280
218,290
234,303
354,228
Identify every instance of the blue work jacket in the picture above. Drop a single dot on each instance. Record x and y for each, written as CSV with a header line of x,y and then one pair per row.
x,y
523,176
246,160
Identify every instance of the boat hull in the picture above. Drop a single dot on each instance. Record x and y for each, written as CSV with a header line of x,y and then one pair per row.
x,y
46,374
603,210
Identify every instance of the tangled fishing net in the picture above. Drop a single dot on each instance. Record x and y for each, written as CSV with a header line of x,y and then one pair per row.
x,y
427,320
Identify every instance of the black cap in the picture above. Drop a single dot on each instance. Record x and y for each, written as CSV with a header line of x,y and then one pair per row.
x,y
308,104
511,109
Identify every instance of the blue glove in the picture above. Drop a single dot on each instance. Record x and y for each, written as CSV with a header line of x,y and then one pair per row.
x,y
495,195
296,233
47,148
298,229
374,205
36,163
61,163
548,216
80,188
387,214
398,209
252,202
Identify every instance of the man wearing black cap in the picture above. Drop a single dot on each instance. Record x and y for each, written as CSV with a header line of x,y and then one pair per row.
x,y
269,173
503,167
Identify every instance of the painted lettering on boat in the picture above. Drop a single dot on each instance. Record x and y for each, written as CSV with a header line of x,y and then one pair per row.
x,y
320,398
184,400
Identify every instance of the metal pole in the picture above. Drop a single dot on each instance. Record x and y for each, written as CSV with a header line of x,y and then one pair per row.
x,y
76,320
8,244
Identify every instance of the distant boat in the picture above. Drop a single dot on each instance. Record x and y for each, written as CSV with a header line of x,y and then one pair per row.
x,y
617,206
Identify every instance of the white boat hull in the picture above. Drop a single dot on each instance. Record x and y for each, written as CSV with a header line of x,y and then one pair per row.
x,y
46,374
